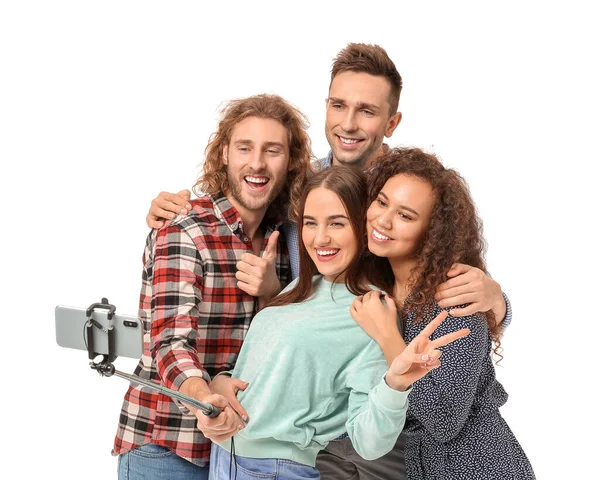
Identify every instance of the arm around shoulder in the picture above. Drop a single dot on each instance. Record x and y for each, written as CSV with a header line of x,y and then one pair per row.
x,y
167,206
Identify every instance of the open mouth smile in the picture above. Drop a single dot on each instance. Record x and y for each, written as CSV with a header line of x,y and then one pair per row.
x,y
379,237
256,183
349,143
326,254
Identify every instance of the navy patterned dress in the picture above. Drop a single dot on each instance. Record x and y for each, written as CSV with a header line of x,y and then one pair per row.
x,y
454,428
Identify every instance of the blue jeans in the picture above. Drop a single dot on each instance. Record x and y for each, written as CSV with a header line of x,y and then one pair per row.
x,y
154,462
253,468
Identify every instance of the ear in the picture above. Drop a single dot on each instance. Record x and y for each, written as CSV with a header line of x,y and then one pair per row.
x,y
225,154
392,123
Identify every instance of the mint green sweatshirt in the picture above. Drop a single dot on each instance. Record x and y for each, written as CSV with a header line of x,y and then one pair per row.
x,y
314,374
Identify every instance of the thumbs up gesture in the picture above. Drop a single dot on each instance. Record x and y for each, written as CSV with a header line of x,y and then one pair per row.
x,y
257,275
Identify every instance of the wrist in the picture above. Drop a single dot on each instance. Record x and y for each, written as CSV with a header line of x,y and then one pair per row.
x,y
269,295
274,290
195,387
395,383
391,345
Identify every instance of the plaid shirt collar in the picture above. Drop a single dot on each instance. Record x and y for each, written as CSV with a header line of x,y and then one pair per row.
x,y
225,211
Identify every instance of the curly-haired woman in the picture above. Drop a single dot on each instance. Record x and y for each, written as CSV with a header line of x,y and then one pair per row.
x,y
421,220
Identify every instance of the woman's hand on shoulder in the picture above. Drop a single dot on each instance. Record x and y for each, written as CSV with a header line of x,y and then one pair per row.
x,y
377,315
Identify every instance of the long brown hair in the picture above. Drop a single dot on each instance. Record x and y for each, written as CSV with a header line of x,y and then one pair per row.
x,y
214,178
454,234
351,188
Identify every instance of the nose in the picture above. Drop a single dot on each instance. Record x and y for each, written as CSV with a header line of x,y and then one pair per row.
x,y
322,238
349,122
385,220
257,161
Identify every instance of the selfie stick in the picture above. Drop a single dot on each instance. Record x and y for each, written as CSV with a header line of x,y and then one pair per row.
x,y
106,369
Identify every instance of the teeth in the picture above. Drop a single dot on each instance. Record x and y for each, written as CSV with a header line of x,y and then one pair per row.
x,y
349,141
256,179
380,236
326,252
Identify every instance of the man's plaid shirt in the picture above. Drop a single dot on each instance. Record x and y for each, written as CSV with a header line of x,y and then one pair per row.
x,y
195,319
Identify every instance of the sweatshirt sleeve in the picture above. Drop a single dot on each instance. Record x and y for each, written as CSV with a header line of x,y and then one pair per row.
x,y
442,400
376,413
176,291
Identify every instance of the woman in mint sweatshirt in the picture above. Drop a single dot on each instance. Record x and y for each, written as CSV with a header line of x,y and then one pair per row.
x,y
421,220
313,374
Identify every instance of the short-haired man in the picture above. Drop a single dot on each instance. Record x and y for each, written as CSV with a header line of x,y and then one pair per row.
x,y
195,317
362,109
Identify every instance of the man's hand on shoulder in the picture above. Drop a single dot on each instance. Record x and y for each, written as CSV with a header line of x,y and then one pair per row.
x,y
470,285
167,206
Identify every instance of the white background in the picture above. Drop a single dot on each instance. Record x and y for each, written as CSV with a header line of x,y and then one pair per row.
x,y
104,104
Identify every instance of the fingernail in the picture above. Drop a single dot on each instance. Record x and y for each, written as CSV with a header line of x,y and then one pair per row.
x,y
188,206
240,426
171,215
424,357
183,211
245,418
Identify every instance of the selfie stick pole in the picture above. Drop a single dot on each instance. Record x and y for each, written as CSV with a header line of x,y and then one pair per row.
x,y
106,369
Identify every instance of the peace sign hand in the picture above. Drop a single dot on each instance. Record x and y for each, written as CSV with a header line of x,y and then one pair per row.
x,y
420,356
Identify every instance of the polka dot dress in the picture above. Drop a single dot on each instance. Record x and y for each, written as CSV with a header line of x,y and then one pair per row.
x,y
454,428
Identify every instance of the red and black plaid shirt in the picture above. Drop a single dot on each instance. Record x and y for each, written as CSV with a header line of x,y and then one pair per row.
x,y
195,319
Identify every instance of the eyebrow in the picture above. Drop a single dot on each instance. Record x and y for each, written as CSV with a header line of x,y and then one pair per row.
x,y
244,141
330,217
403,207
360,106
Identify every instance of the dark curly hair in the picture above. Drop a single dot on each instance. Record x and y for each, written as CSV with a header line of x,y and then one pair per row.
x,y
454,234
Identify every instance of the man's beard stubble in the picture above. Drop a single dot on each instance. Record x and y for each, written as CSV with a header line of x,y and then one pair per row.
x,y
235,187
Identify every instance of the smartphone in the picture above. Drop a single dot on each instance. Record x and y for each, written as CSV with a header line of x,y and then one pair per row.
x,y
70,325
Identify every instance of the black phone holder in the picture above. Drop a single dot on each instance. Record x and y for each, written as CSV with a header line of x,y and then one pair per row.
x,y
106,369
105,366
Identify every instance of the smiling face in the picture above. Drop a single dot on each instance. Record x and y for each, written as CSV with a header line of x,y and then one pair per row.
x,y
399,217
257,159
358,117
327,234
